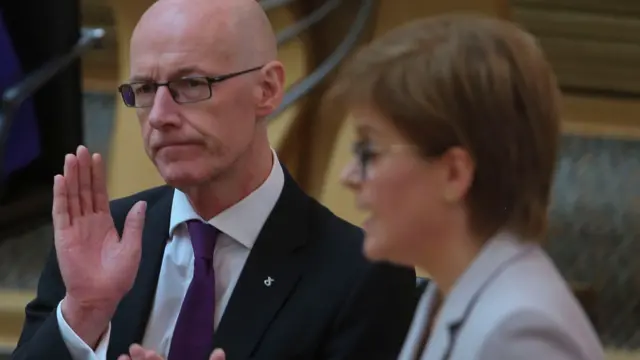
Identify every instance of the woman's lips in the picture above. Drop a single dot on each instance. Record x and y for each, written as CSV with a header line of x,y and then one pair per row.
x,y
366,225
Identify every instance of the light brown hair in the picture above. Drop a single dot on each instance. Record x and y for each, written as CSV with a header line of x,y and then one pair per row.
x,y
479,83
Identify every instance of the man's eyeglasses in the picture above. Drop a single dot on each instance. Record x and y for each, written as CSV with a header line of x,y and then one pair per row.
x,y
183,91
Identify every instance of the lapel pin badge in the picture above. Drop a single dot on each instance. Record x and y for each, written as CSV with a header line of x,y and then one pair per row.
x,y
269,280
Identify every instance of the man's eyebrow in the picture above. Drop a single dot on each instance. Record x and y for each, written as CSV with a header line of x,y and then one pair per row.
x,y
139,78
176,74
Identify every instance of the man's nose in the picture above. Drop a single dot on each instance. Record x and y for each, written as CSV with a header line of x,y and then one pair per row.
x,y
351,175
164,111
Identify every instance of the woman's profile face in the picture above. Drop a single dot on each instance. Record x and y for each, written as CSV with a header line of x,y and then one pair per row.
x,y
401,191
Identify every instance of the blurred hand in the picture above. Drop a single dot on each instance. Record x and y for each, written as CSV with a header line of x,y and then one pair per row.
x,y
137,352
98,268
217,354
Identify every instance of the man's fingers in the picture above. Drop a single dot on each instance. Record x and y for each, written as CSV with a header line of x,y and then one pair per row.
x,y
60,209
217,354
71,180
99,183
124,357
137,352
84,180
133,225
151,355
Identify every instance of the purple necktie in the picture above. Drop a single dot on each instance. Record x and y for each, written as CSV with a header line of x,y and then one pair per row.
x,y
193,334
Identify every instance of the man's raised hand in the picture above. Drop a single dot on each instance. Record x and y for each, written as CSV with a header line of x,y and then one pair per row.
x,y
97,266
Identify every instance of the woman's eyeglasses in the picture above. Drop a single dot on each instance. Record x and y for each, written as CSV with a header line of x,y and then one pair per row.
x,y
365,153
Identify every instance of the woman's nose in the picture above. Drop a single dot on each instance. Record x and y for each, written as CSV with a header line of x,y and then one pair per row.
x,y
351,175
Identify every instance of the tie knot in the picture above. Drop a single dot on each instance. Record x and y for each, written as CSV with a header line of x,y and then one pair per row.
x,y
203,238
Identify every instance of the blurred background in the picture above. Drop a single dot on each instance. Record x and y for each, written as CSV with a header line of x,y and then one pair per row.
x,y
60,67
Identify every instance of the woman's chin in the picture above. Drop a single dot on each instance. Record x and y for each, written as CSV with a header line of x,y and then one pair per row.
x,y
379,248
373,249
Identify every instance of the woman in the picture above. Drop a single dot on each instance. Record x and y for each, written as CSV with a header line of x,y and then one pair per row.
x,y
457,120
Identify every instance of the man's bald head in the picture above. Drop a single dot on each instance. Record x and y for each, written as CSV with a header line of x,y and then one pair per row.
x,y
208,73
239,28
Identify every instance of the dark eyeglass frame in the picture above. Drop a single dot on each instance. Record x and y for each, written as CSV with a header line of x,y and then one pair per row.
x,y
210,81
364,153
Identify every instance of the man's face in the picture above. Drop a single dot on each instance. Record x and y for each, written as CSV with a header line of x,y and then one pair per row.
x,y
193,143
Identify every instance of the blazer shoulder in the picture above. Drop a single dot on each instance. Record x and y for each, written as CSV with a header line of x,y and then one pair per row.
x,y
543,314
331,226
531,334
345,241
120,207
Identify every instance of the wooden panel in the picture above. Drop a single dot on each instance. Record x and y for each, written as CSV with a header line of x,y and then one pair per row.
x,y
96,12
12,305
594,65
592,44
578,25
100,66
620,7
601,117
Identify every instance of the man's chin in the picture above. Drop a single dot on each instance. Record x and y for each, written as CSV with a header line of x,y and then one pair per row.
x,y
179,178
180,183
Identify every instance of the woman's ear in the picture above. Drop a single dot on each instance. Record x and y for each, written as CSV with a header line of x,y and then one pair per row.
x,y
460,170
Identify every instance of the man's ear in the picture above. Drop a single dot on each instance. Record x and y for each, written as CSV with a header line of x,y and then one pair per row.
x,y
271,88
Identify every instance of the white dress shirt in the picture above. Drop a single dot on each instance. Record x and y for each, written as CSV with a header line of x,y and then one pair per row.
x,y
239,228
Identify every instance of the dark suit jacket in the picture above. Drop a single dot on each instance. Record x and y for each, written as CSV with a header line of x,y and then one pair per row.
x,y
329,302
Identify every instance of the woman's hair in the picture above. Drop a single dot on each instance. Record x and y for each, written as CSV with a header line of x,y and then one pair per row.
x,y
475,82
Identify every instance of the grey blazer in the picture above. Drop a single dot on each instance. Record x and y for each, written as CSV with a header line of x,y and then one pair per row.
x,y
510,304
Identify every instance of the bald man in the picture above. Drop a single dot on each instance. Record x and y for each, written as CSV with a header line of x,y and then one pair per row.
x,y
230,254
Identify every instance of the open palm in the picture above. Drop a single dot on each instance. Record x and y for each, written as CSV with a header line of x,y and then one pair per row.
x,y
96,265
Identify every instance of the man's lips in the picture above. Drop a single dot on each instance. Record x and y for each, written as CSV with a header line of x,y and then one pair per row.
x,y
174,145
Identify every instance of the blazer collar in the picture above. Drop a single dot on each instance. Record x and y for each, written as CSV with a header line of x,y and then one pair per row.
x,y
500,250
495,256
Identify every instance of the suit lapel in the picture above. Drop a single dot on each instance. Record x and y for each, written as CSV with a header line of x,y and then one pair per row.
x,y
270,274
129,323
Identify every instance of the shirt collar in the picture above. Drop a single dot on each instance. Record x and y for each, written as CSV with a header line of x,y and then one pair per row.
x,y
244,220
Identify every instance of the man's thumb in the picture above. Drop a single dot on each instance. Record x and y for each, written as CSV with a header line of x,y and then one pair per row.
x,y
133,225
217,354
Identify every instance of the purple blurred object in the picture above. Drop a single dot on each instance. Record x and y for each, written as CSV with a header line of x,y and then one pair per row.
x,y
23,142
